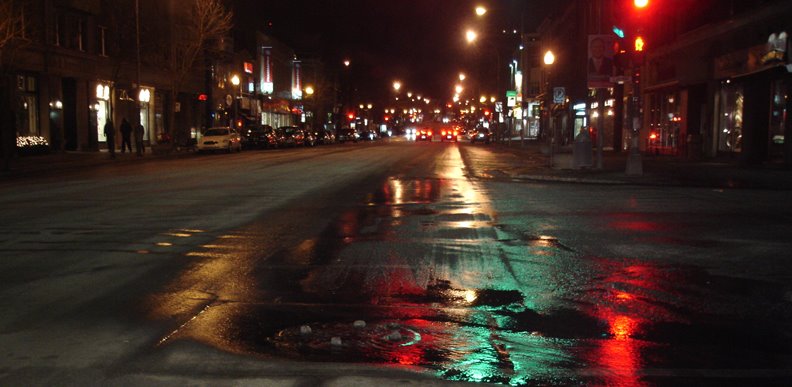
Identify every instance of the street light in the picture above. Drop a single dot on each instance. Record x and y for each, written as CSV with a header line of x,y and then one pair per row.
x,y
462,77
347,62
480,10
471,36
549,58
309,90
235,81
458,89
396,86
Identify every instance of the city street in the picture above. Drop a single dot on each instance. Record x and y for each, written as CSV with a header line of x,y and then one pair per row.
x,y
384,262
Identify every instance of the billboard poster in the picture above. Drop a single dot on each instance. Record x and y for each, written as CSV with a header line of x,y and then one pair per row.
x,y
600,61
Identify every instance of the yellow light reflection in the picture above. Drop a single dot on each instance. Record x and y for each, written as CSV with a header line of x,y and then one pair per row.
x,y
470,296
178,234
164,244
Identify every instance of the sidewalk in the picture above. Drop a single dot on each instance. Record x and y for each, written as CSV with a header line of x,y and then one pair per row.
x,y
33,165
527,163
530,163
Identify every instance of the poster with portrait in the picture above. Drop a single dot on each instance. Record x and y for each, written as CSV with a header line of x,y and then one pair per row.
x,y
600,61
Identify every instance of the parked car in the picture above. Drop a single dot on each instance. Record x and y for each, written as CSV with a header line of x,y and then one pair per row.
x,y
293,136
347,134
481,135
258,137
220,138
309,137
325,137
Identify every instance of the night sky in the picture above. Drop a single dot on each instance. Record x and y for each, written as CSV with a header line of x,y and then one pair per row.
x,y
420,42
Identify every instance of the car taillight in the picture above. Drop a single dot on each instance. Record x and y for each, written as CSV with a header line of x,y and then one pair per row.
x,y
429,133
443,132
456,133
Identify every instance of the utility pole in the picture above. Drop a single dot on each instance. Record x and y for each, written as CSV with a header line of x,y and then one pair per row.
x,y
634,162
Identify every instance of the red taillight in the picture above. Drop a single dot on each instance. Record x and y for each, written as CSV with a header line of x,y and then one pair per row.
x,y
443,132
456,133
430,133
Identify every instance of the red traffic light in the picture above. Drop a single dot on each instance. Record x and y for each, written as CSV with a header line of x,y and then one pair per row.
x,y
203,97
641,3
351,116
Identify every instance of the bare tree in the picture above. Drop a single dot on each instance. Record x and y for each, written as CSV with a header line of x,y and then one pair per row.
x,y
207,22
12,30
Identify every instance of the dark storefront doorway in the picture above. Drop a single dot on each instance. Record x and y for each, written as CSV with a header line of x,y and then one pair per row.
x,y
70,113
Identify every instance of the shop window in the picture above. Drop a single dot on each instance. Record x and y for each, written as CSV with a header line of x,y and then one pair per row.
x,y
731,119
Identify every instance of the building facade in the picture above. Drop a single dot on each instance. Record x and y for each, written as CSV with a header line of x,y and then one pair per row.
x,y
85,63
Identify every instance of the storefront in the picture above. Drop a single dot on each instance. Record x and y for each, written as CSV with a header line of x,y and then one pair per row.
x,y
752,102
665,134
102,109
27,110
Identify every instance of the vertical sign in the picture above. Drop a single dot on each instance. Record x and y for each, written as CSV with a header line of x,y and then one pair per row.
x,y
296,80
267,87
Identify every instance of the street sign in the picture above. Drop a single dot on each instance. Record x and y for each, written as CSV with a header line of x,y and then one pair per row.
x,y
499,107
511,98
559,95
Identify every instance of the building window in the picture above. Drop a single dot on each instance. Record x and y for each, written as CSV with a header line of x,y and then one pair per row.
x,y
79,35
57,24
731,119
102,40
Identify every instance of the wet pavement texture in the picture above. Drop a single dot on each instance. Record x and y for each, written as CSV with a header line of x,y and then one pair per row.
x,y
441,270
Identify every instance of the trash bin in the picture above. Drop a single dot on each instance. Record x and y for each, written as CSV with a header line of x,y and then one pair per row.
x,y
694,146
582,149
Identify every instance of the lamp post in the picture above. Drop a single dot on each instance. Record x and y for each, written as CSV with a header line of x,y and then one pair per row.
x,y
549,60
235,82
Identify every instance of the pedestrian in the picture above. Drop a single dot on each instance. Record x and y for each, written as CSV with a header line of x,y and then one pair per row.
x,y
139,131
126,136
109,132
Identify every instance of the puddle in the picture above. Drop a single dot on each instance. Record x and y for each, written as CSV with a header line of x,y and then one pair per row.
x,y
421,263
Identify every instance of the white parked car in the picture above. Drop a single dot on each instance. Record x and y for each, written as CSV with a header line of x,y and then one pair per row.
x,y
220,138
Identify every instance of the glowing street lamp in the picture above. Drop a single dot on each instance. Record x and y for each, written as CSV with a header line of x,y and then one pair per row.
x,y
347,62
309,90
480,11
396,86
462,77
235,81
458,89
483,99
471,36
549,58
409,94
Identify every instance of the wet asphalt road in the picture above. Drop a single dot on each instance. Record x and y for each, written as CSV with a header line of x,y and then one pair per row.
x,y
384,262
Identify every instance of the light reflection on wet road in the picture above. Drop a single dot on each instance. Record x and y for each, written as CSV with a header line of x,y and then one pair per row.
x,y
444,287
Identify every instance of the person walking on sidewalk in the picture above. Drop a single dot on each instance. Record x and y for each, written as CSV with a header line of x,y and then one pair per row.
x,y
109,132
139,138
126,136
